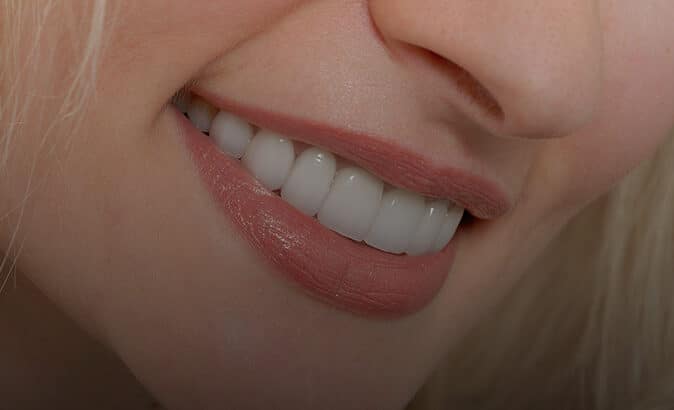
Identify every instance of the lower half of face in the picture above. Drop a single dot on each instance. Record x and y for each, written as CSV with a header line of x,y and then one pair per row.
x,y
351,190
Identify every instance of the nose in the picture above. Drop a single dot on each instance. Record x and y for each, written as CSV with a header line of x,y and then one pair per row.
x,y
537,62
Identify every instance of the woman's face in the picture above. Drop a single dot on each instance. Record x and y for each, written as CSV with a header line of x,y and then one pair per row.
x,y
215,291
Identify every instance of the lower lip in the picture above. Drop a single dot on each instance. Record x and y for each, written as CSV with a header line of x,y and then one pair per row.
x,y
336,270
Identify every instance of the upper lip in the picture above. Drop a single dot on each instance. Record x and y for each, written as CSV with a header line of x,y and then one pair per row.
x,y
394,164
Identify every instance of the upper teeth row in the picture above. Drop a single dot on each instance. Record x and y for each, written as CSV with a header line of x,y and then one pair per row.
x,y
346,199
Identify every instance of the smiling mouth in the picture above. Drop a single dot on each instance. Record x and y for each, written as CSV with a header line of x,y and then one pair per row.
x,y
342,197
342,233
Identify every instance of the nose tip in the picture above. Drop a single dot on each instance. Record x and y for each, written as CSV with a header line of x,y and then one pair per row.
x,y
540,62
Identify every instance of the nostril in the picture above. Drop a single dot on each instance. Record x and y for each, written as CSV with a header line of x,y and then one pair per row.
x,y
525,71
474,90
468,85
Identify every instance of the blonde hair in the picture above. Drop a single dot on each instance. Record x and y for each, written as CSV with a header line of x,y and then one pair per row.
x,y
590,326
33,34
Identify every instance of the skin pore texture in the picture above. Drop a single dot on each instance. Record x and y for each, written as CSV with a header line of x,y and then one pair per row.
x,y
554,101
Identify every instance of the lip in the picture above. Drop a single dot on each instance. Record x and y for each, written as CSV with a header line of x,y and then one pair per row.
x,y
336,270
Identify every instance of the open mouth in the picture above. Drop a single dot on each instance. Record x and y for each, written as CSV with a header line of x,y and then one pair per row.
x,y
327,223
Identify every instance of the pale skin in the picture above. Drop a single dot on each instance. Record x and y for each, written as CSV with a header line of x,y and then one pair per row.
x,y
123,236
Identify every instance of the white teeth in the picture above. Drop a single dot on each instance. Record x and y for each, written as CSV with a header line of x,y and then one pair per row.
x,y
352,203
309,181
231,133
201,113
424,238
399,215
451,222
269,157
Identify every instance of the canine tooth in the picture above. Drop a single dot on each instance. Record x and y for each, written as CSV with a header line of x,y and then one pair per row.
x,y
201,113
428,229
352,203
397,220
231,133
269,157
451,222
309,181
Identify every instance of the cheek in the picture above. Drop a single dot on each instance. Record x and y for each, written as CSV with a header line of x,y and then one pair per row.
x,y
196,18
636,116
178,39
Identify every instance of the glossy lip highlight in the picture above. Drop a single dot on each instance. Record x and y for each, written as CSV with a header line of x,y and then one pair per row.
x,y
343,273
392,163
